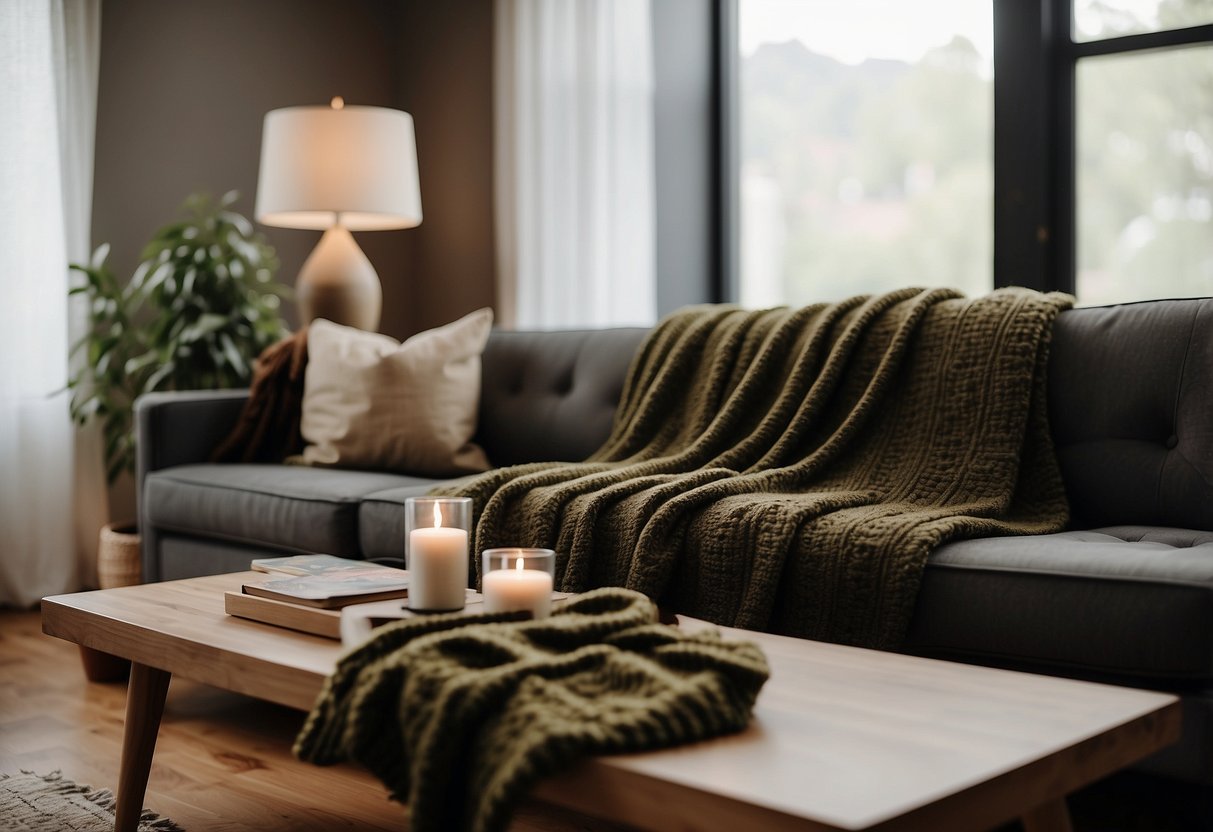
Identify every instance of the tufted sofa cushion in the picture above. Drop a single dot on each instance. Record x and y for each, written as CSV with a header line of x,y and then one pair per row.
x,y
551,395
1131,405
1132,602
381,519
281,507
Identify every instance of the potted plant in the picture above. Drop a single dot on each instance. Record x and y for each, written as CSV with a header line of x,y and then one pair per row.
x,y
199,308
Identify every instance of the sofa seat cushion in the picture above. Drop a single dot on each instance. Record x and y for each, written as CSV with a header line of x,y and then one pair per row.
x,y
191,557
284,507
1123,602
381,532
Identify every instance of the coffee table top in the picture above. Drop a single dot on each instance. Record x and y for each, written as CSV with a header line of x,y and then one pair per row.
x,y
842,738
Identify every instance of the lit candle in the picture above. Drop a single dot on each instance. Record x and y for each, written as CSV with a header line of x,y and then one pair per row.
x,y
438,566
508,590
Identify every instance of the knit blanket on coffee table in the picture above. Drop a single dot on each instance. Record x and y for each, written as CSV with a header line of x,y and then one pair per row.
x,y
460,715
791,469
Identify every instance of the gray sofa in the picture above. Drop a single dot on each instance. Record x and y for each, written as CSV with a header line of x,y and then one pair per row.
x,y
1125,596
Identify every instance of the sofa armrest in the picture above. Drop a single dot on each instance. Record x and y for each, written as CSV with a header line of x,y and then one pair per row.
x,y
182,427
177,429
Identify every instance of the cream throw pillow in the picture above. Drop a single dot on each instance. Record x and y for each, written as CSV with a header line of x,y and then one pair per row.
x,y
370,401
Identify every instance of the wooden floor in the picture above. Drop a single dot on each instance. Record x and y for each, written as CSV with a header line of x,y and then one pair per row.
x,y
223,761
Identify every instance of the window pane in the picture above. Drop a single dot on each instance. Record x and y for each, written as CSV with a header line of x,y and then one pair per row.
x,y
866,147
1145,175
1098,19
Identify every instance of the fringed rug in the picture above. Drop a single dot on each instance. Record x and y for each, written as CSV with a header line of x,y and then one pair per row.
x,y
51,803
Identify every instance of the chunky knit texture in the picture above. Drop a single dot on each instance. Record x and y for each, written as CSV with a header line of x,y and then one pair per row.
x,y
461,714
792,469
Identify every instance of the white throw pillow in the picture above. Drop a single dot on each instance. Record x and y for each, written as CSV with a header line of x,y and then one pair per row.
x,y
370,401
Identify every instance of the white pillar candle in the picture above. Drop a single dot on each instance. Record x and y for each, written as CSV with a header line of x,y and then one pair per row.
x,y
438,568
510,590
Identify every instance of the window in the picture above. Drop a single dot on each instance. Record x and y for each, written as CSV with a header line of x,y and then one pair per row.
x,y
1144,169
869,145
865,151
1097,19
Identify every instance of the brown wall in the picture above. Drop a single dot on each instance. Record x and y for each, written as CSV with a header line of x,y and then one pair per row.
x,y
185,85
446,82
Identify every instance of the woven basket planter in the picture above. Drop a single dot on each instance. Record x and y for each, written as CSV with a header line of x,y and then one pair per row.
x,y
118,559
118,564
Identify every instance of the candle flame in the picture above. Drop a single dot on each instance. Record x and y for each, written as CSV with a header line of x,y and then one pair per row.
x,y
518,565
437,516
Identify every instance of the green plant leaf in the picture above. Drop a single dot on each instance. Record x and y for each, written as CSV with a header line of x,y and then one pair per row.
x,y
157,378
139,362
158,276
234,359
199,306
203,327
100,254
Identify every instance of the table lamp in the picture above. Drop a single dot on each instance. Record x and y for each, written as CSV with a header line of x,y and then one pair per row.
x,y
339,169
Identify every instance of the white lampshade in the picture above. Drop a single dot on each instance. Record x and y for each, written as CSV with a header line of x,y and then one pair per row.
x,y
318,162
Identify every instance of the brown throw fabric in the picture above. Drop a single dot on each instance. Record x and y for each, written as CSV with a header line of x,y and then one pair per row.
x,y
268,428
791,469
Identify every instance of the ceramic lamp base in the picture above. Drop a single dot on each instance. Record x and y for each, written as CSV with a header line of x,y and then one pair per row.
x,y
338,283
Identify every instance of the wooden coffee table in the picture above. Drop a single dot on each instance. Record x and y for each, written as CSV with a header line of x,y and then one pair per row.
x,y
842,738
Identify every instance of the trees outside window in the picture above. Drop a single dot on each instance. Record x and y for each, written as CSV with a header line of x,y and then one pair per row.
x,y
865,142
1144,163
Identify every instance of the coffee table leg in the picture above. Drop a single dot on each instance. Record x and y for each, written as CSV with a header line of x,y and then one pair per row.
x,y
1053,816
102,667
144,706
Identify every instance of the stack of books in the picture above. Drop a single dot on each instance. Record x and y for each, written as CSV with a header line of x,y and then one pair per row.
x,y
307,592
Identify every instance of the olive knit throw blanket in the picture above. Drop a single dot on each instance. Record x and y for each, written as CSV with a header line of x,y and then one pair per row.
x,y
791,470
461,714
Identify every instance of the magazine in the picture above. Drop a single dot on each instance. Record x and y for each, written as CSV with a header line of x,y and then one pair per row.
x,y
320,565
327,582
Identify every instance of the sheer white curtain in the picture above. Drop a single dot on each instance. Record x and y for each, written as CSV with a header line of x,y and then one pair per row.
x,y
48,77
574,162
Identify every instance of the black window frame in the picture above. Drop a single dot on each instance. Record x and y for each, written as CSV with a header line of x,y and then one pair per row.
x,y
1035,135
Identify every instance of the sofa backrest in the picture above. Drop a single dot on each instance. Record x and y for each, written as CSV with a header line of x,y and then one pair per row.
x,y
551,395
1130,405
1131,408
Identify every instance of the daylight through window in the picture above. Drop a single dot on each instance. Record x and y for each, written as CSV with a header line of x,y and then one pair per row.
x,y
865,147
